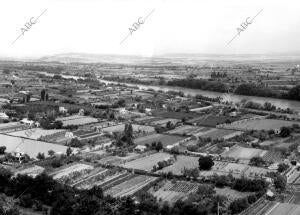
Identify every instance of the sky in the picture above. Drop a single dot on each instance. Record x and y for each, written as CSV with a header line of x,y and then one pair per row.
x,y
174,26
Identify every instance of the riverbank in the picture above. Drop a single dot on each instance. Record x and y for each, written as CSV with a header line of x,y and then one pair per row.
x,y
230,97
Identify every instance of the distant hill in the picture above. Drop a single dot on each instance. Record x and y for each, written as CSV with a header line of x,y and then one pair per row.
x,y
166,59
169,59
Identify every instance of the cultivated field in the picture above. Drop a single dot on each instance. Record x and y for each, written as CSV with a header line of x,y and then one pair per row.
x,y
102,177
236,169
131,186
285,208
77,120
163,138
231,194
147,163
174,115
32,171
35,133
238,152
135,127
181,163
163,122
220,134
71,170
30,147
209,120
188,130
171,192
262,124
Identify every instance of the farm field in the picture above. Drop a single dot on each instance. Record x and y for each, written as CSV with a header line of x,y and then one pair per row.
x,y
174,115
288,142
163,138
88,176
220,133
147,119
274,142
210,120
236,169
231,194
71,170
103,178
262,124
35,133
171,192
30,147
135,127
181,163
113,160
32,171
253,171
147,163
131,186
293,176
163,122
272,156
238,152
77,120
116,160
285,208
188,130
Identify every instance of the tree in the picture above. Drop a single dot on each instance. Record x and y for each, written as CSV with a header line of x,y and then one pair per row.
x,y
26,158
40,156
69,151
205,162
43,93
51,153
31,116
28,98
257,161
285,131
75,143
238,205
191,173
159,146
169,124
128,134
2,150
294,93
280,182
121,102
282,167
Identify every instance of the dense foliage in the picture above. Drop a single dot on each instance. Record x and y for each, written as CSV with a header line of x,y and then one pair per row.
x,y
255,90
205,163
199,84
42,192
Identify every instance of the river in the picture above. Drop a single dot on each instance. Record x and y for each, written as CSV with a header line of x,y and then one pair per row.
x,y
282,103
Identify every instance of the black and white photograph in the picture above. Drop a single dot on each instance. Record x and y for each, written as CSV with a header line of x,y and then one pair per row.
x,y
139,107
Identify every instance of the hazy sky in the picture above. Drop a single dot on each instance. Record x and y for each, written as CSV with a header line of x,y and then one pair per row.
x,y
175,26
